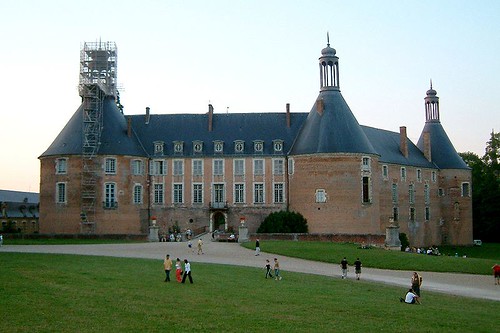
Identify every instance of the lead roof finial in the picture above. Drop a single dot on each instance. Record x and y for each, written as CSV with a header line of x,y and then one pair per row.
x,y
327,38
431,83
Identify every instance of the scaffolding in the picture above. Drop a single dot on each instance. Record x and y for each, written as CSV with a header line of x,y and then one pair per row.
x,y
97,80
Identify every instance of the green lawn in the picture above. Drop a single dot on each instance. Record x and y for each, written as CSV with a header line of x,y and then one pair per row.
x,y
479,259
64,293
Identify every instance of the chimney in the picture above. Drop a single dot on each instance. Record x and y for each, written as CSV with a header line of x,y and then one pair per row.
x,y
403,139
288,115
210,116
147,115
320,106
427,146
129,127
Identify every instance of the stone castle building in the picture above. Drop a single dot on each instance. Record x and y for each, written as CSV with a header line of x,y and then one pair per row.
x,y
111,173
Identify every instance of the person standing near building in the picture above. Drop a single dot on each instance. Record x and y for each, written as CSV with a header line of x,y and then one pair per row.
x,y
178,270
257,247
268,269
200,245
187,272
357,268
343,266
496,273
277,275
167,264
416,282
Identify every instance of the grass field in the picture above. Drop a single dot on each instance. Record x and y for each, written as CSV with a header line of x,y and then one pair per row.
x,y
64,293
479,259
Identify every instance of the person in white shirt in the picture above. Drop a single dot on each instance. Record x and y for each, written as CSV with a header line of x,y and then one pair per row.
x,y
410,298
187,271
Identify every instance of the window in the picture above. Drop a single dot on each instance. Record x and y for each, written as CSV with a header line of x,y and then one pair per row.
x,y
158,194
61,166
239,167
427,213
419,175
197,193
395,214
197,167
158,147
158,167
137,167
278,193
258,167
278,146
258,193
385,172
61,193
412,214
411,194
366,163
465,190
178,147
427,194
109,195
291,164
394,193
239,193
197,146
178,167
239,146
433,176
258,146
218,146
320,196
278,166
178,195
366,190
440,192
218,167
403,174
219,193
110,165
137,196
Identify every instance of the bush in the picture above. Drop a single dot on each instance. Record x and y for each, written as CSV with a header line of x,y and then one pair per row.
x,y
404,241
284,222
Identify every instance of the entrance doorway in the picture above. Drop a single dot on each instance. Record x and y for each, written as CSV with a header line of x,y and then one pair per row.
x,y
219,221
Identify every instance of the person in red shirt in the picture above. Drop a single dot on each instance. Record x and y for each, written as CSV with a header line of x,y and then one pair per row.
x,y
496,273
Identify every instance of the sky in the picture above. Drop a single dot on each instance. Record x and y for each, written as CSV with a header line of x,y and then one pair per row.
x,y
249,56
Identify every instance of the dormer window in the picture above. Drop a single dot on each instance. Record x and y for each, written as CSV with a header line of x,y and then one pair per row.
x,y
178,147
239,146
218,146
158,147
197,146
278,146
258,146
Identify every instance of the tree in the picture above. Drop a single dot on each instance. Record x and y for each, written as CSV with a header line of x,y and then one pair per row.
x,y
284,222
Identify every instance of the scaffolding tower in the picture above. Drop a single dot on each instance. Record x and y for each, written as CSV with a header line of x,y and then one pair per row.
x,y
97,81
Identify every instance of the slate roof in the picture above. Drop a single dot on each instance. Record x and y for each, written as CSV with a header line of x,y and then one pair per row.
x,y
443,153
18,196
19,204
336,130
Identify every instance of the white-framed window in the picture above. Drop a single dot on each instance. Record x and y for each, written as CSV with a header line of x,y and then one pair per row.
x,y
258,146
197,193
61,166
178,147
279,193
197,167
218,167
158,147
278,146
110,165
433,176
137,167
61,192
465,189
366,163
219,195
366,190
158,167
178,167
239,167
320,196
427,194
197,147
219,146
385,172
239,193
291,165
159,195
403,174
110,195
258,167
137,195
394,193
278,166
411,193
258,193
419,175
239,146
178,194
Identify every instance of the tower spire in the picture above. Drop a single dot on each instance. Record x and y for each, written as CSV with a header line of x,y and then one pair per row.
x,y
329,67
431,105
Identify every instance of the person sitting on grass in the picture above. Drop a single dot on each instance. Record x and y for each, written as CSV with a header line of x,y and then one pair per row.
x,y
410,298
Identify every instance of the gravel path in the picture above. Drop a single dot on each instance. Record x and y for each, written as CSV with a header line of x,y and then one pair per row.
x,y
469,285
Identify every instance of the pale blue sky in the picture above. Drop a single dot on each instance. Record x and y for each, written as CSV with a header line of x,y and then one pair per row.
x,y
250,56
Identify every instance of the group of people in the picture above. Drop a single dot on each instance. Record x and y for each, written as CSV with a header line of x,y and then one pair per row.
x,y
180,274
269,274
433,250
413,294
357,268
